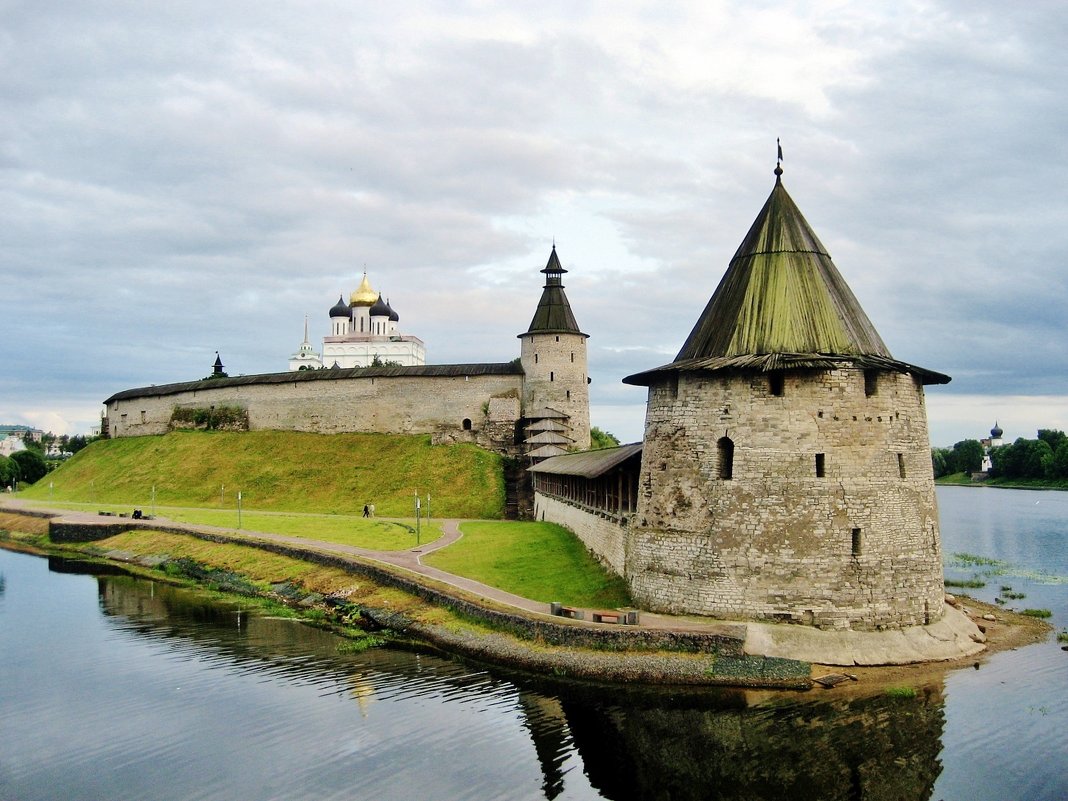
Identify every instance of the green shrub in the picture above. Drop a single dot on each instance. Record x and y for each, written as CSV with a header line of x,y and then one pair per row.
x,y
1042,613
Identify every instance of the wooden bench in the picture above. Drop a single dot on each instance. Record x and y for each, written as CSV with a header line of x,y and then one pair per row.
x,y
605,616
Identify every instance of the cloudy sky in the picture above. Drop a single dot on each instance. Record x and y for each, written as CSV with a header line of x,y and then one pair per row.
x,y
186,177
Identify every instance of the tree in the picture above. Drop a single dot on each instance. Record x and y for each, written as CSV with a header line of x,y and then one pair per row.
x,y
602,439
940,461
967,456
9,471
1053,437
31,465
1059,464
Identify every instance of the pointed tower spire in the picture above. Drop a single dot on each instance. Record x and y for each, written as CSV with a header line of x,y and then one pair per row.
x,y
554,312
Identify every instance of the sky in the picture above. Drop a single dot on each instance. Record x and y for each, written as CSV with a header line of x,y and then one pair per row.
x,y
185,178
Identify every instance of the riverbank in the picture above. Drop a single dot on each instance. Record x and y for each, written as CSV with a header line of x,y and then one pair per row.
x,y
479,623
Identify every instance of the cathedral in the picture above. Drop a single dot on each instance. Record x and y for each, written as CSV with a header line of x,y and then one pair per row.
x,y
363,333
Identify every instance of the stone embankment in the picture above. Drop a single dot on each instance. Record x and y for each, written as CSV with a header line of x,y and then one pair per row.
x,y
660,649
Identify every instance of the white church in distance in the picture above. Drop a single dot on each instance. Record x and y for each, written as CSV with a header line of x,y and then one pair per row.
x,y
363,332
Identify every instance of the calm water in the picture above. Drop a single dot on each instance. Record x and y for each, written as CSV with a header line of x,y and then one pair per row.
x,y
119,688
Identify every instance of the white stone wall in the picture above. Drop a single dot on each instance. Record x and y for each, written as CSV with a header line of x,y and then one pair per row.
x,y
601,534
392,405
775,541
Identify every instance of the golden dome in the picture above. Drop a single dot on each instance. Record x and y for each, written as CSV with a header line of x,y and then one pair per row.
x,y
364,295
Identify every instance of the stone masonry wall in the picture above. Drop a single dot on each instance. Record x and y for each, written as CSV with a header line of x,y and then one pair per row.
x,y
437,405
556,376
603,536
856,547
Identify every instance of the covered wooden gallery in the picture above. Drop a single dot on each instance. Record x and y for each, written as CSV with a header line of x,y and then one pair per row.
x,y
604,482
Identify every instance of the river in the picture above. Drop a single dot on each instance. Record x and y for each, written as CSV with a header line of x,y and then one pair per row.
x,y
121,688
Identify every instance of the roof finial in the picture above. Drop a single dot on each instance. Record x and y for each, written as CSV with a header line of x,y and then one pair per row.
x,y
778,162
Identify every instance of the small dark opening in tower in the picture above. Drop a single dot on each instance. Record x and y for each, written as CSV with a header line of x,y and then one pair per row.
x,y
467,424
901,465
725,448
569,394
871,383
572,357
551,376
535,358
856,542
775,384
558,339
820,465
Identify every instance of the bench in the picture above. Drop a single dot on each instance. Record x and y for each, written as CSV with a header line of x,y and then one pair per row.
x,y
560,610
604,616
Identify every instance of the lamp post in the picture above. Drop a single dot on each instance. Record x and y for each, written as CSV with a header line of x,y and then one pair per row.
x,y
239,509
417,519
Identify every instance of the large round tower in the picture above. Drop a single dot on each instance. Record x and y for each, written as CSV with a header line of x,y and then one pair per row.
x,y
556,384
786,472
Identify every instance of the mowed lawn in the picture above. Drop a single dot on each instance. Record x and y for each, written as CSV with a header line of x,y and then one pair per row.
x,y
541,561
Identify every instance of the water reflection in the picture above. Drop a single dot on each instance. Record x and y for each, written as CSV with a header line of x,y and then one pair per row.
x,y
587,742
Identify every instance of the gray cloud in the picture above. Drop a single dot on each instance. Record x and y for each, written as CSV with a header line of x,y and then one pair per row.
x,y
184,179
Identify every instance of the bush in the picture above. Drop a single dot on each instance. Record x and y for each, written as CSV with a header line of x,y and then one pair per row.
x,y
217,418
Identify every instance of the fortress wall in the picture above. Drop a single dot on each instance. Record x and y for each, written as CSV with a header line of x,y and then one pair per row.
x,y
393,405
601,535
776,541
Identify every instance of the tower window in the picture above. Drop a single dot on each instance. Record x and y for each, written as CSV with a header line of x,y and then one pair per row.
x,y
856,542
725,451
558,339
901,465
467,424
551,375
821,465
572,357
776,384
569,394
871,383
535,358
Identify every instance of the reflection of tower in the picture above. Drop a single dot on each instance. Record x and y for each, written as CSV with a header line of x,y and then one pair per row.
x,y
556,397
714,747
544,718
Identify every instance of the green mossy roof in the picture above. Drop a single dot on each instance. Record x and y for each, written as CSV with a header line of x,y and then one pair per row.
x,y
782,303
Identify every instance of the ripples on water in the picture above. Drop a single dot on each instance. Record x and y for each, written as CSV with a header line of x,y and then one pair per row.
x,y
119,688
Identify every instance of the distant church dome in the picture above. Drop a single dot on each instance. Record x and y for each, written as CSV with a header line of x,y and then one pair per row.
x,y
339,309
380,308
364,295
393,316
996,432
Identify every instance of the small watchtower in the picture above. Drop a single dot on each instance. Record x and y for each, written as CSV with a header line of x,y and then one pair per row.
x,y
556,397
786,473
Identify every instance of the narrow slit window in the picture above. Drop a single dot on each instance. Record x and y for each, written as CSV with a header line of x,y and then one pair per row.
x,y
776,384
551,378
871,383
901,465
821,465
856,542
725,448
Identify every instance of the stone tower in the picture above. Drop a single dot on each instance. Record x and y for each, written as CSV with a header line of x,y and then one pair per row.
x,y
556,397
786,472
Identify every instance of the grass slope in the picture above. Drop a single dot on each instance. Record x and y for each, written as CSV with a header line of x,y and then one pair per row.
x,y
541,561
283,471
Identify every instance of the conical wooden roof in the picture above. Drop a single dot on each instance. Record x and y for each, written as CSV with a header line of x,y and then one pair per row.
x,y
782,304
553,315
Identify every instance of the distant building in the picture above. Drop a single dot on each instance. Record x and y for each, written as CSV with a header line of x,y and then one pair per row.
x,y
363,332
989,443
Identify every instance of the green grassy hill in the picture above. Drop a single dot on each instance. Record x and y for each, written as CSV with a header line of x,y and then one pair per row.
x,y
283,471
